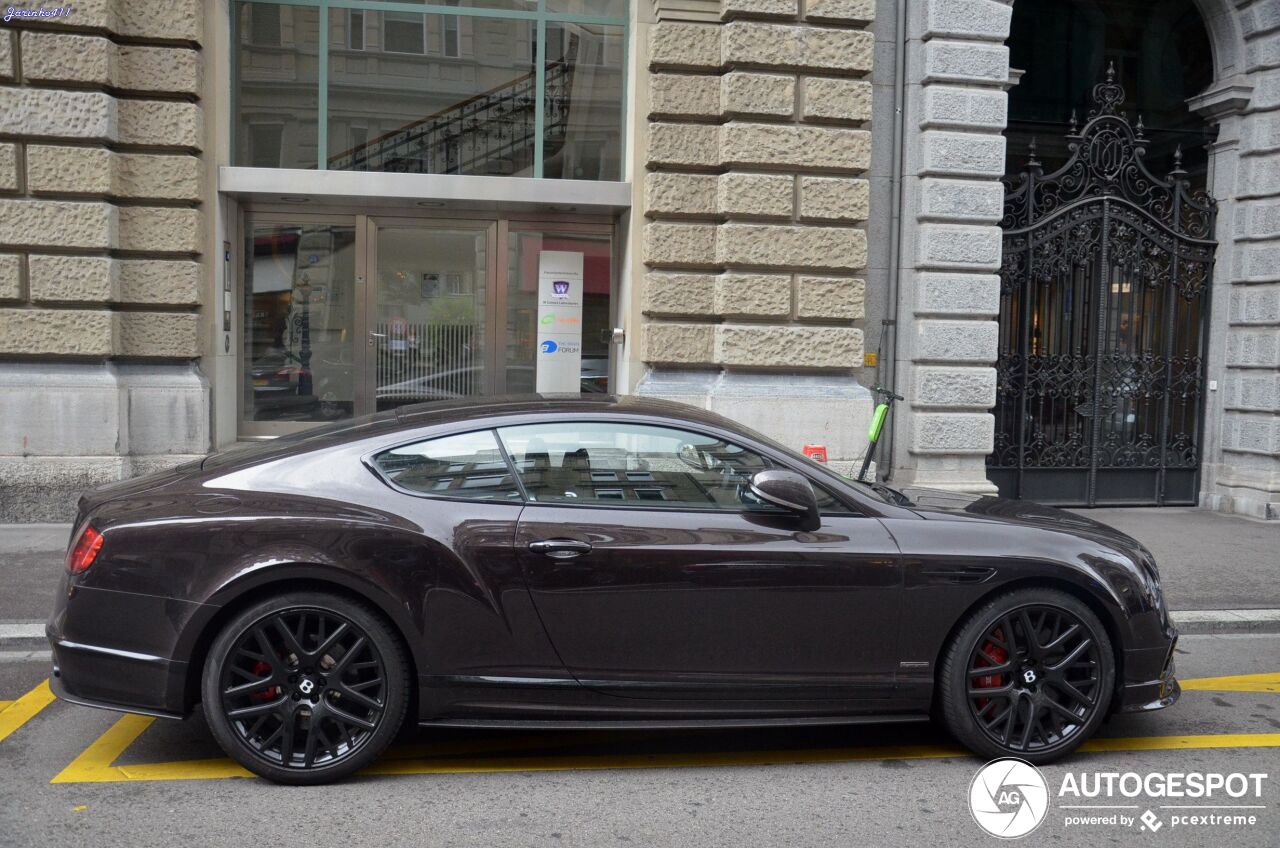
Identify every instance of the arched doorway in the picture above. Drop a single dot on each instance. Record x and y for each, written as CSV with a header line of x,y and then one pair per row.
x,y
1108,255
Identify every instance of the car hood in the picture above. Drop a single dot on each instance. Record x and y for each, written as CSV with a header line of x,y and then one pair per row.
x,y
936,504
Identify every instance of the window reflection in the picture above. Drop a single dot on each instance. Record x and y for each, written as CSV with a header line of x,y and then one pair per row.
x,y
431,94
277,91
585,90
412,92
463,466
299,322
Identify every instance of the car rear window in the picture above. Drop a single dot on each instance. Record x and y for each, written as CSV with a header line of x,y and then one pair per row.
x,y
467,465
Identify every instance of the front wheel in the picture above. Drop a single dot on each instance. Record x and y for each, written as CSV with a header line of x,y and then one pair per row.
x,y
306,687
1030,675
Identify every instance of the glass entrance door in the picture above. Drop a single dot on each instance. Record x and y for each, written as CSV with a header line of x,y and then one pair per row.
x,y
430,322
346,313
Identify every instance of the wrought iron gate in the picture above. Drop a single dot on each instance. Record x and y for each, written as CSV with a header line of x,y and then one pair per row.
x,y
1103,322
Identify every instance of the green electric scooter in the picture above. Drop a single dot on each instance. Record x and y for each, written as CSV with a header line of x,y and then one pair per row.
x,y
877,425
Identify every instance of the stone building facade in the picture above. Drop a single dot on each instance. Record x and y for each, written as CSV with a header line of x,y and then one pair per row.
x,y
102,249
781,203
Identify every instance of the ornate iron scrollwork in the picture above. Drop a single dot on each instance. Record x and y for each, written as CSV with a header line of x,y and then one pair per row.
x,y
1103,286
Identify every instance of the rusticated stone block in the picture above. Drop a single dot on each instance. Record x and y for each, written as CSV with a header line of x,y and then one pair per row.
x,y
957,294
684,45
8,167
756,195
168,69
55,332
971,248
960,386
78,170
168,335
10,276
841,51
841,11
66,279
66,57
684,95
686,145
961,154
952,432
776,246
835,99
678,344
6,55
961,200
839,298
159,281
692,245
58,114
159,123
160,230
730,9
753,295
964,61
183,19
668,194
95,170
57,223
789,146
771,346
956,341
159,176
834,199
973,19
967,108
679,294
769,95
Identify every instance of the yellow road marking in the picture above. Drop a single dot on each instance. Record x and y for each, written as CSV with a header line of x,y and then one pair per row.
x,y
1269,682
95,765
4,705
21,711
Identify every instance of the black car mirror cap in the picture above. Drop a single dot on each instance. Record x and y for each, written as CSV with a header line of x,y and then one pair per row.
x,y
788,490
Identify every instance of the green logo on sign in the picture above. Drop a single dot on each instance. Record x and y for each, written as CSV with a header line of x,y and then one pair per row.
x,y
548,319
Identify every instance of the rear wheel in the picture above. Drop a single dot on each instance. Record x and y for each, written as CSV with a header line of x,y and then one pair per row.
x,y
1029,675
305,687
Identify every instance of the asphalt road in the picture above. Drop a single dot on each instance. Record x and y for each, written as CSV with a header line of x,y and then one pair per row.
x,y
882,786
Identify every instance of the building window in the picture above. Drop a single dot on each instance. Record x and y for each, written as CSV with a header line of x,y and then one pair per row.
x,y
404,32
264,145
457,92
264,25
355,29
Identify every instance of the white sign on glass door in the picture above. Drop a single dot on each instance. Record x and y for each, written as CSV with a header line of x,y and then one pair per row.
x,y
559,358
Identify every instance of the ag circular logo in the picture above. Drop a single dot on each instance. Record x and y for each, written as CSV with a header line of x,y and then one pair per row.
x,y
1008,798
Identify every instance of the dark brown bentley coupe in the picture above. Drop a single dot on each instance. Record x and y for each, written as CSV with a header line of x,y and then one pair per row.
x,y
609,562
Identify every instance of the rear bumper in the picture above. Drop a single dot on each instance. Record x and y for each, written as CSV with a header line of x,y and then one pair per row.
x,y
111,679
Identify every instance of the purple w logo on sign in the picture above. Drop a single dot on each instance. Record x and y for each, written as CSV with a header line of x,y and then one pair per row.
x,y
560,288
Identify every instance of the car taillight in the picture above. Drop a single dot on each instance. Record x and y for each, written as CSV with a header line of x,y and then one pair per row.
x,y
85,550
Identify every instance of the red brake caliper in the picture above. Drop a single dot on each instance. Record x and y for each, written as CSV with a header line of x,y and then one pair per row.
x,y
996,653
261,668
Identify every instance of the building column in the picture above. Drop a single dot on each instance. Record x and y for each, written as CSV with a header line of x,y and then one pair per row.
x,y
754,206
100,187
1241,464
957,77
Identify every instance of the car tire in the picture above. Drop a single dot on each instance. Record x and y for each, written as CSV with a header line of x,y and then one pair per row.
x,y
305,687
1017,698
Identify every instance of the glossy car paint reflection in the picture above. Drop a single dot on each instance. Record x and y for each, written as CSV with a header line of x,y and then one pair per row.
x,y
673,614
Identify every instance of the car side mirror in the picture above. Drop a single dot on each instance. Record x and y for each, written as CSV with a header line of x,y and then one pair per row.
x,y
790,491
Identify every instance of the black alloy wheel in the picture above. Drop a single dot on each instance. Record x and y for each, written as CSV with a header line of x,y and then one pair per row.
x,y
305,688
1029,675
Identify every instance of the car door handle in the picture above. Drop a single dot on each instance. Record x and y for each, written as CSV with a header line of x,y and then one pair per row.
x,y
560,548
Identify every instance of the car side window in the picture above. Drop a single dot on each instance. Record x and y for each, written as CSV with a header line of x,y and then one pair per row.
x,y
468,465
638,465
